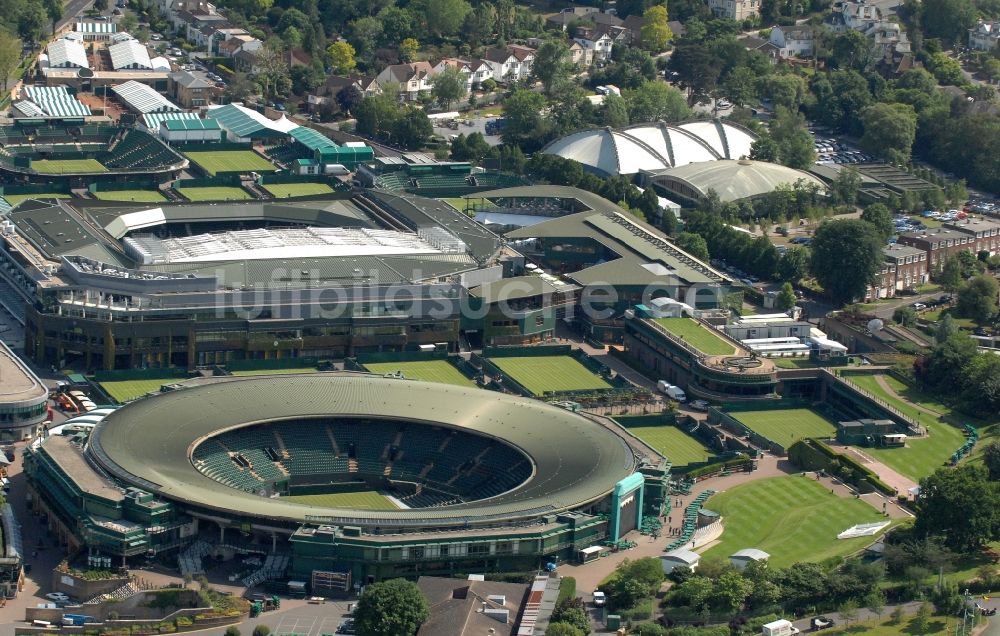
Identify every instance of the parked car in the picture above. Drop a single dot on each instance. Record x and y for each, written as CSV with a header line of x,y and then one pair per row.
x,y
347,627
919,306
699,405
820,622
57,597
599,598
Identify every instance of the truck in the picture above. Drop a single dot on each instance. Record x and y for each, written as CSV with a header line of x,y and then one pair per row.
x,y
77,619
495,126
779,627
671,391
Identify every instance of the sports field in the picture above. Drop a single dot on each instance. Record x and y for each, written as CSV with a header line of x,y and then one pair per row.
x,y
785,426
427,370
143,196
698,336
367,500
67,166
214,162
282,190
127,390
253,372
220,193
14,199
550,373
671,442
792,518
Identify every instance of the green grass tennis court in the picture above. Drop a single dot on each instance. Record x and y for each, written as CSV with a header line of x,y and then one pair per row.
x,y
67,166
127,390
792,518
214,162
143,196
291,371
366,500
215,193
283,190
550,373
671,442
14,199
697,335
427,370
785,426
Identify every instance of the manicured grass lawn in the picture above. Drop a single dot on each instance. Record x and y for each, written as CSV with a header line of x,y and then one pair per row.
x,y
427,370
253,372
67,166
144,196
794,363
367,500
215,194
282,190
214,162
785,426
127,390
14,199
906,627
699,337
792,518
673,443
550,373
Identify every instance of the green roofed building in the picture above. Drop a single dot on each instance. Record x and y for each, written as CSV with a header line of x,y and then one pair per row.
x,y
190,130
324,151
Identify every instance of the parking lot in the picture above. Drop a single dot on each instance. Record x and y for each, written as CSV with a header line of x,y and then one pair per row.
x,y
830,150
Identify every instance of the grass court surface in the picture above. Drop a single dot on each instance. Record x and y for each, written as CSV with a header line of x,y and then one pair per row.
x,y
696,335
143,196
127,390
282,190
367,500
253,372
550,373
427,370
67,166
214,162
14,199
792,518
220,193
785,426
673,443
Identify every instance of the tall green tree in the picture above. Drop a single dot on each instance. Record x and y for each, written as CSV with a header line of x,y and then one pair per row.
x,y
697,69
693,244
442,18
785,299
845,189
412,128
846,255
563,629
945,329
948,19
960,505
391,608
525,126
950,277
977,299
448,86
890,130
655,31
552,64
10,55
341,56
614,111
879,216
656,101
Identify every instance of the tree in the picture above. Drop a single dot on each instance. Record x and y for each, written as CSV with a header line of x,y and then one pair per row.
x,y
614,111
232,630
341,56
950,276
693,244
845,189
731,591
878,215
848,611
448,86
785,299
349,98
697,69
889,130
240,87
552,64
31,21
875,602
525,126
906,316
796,148
412,128
785,90
656,101
441,17
261,630
896,617
572,612
846,255
793,265
655,32
376,114
54,9
945,329
852,50
961,505
977,299
101,5
740,86
943,371
10,55
563,629
391,608
991,458
948,19
635,580
408,49
922,619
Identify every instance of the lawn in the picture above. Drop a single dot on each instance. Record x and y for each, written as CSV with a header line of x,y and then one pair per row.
x,y
367,500
922,455
14,199
220,193
785,426
907,627
67,166
439,371
696,335
792,518
243,161
127,390
671,442
283,190
143,196
550,373
253,372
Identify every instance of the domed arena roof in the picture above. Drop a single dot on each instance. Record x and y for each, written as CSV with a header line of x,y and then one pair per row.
x,y
653,146
731,180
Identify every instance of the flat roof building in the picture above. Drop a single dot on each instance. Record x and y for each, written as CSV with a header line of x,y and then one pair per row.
x,y
23,398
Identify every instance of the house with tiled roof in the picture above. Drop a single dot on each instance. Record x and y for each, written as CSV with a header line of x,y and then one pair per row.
x,y
511,63
412,78
984,36
793,41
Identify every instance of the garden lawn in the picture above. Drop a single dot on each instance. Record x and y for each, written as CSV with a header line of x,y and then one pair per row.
x,y
542,374
215,193
786,426
367,500
122,391
697,335
242,161
942,625
253,372
144,196
439,371
67,166
792,518
283,190
671,442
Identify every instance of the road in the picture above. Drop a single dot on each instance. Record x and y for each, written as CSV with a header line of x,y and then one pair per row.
x,y
71,10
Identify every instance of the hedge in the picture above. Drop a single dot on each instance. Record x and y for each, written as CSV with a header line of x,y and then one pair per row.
x,y
812,454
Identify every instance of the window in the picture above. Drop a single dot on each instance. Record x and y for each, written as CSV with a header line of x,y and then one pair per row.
x,y
479,549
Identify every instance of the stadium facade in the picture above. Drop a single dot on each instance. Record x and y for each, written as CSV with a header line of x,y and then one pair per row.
x,y
480,481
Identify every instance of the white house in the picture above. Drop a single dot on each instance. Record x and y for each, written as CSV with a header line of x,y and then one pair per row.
x,y
580,55
453,62
734,9
510,64
984,36
412,78
793,41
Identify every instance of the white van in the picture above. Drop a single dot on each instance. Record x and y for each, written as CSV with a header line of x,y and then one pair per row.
x,y
671,391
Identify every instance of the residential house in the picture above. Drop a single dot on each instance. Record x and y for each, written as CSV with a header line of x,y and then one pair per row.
x,y
904,267
510,64
412,79
986,232
581,55
480,70
202,26
171,8
633,25
762,46
793,41
191,90
585,15
852,16
984,36
601,40
888,38
453,62
218,36
460,607
238,43
739,10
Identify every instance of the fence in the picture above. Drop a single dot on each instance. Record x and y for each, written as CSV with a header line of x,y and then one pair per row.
x,y
118,186
333,182
263,365
36,188
738,428
376,357
229,180
812,454
139,374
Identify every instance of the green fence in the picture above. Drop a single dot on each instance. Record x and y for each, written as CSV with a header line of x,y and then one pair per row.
x,y
265,365
36,188
279,178
226,180
527,352
118,186
812,454
401,356
139,374
202,147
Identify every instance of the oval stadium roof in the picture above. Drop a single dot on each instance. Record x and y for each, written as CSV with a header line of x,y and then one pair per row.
x,y
653,146
731,180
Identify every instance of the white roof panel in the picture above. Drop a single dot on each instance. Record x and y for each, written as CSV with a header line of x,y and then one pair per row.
x,y
142,97
129,54
63,52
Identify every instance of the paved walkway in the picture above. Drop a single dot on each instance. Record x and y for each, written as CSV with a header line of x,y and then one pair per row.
x,y
889,476
885,386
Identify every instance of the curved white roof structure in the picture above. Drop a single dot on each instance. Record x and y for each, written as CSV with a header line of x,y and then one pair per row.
x,y
653,146
731,180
